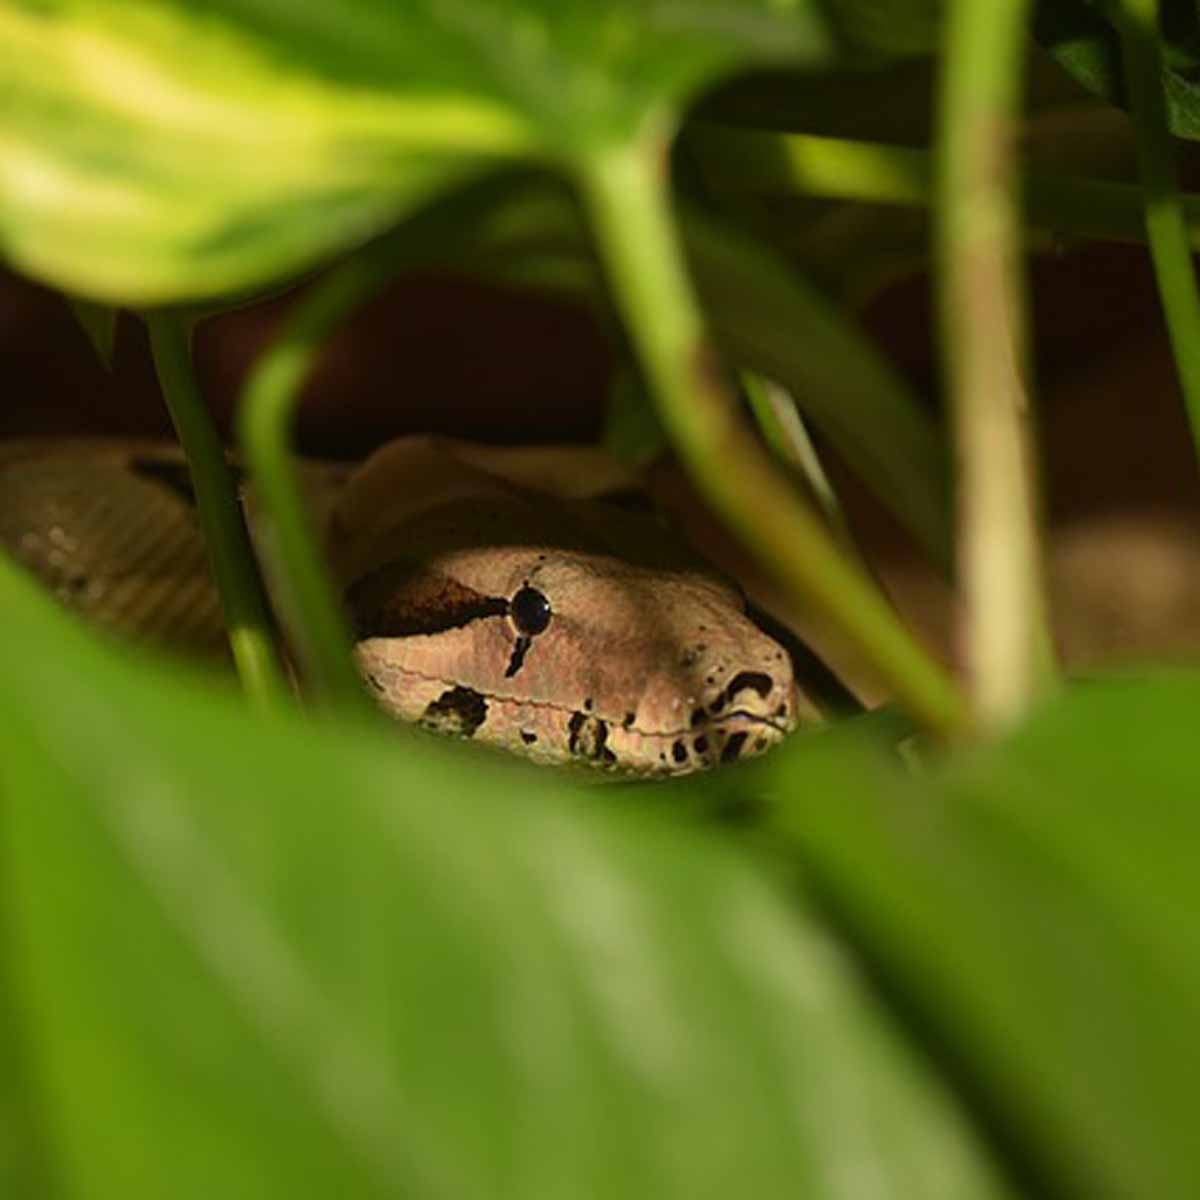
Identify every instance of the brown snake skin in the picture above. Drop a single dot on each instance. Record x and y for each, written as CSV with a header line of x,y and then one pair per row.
x,y
492,595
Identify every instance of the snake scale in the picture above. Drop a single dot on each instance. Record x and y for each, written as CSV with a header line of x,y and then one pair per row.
x,y
513,597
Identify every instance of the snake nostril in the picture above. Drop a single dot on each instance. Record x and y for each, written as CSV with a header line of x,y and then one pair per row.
x,y
757,681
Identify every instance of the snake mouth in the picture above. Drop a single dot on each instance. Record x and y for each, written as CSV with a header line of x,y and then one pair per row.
x,y
743,734
734,734
781,727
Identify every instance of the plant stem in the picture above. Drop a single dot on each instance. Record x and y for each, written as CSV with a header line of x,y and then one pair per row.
x,y
1166,225
310,605
624,191
247,616
983,347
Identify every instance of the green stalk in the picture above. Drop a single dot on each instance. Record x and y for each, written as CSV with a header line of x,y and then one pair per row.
x,y
983,347
624,192
266,415
247,617
1166,223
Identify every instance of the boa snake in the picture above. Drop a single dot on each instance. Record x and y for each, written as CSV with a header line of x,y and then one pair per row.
x,y
506,596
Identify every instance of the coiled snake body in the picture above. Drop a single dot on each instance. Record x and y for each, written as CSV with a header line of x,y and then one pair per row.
x,y
492,594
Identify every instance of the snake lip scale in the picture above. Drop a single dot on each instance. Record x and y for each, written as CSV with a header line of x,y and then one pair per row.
x,y
415,679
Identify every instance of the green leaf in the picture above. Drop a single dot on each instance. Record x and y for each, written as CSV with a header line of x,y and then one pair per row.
x,y
633,433
169,150
263,957
889,28
99,323
1035,903
1086,42
23,1170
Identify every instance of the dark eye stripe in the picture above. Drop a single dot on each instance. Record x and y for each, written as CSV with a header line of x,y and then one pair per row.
x,y
398,601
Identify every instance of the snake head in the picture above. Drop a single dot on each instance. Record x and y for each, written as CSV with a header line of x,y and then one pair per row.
x,y
572,657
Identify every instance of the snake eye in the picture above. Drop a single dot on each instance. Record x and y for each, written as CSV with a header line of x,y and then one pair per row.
x,y
530,611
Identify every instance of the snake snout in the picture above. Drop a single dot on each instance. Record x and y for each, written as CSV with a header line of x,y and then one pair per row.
x,y
740,706
752,711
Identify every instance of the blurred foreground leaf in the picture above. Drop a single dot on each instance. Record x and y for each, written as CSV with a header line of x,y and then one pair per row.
x,y
888,28
262,957
167,150
1036,904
